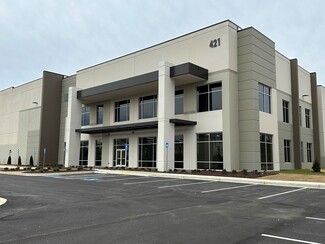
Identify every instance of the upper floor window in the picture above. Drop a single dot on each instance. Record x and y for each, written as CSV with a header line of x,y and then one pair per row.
x,y
285,108
100,112
264,94
307,117
122,111
209,97
179,102
148,107
85,116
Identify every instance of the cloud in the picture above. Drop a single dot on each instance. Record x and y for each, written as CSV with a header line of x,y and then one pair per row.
x,y
65,36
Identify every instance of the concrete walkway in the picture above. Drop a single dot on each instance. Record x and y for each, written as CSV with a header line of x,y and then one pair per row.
x,y
259,181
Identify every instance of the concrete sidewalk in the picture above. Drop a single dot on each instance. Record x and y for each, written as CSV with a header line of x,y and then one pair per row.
x,y
259,181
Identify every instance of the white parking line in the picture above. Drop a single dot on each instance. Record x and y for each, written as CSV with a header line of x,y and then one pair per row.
x,y
282,193
189,184
313,218
228,188
2,201
101,180
290,239
151,181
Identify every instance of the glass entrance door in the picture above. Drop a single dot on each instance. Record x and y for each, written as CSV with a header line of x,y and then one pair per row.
x,y
120,158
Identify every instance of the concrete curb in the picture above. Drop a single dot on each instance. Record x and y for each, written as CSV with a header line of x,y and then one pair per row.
x,y
2,201
315,185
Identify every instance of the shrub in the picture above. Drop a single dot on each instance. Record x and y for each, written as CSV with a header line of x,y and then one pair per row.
x,y
234,171
244,171
19,160
31,161
9,160
224,172
316,166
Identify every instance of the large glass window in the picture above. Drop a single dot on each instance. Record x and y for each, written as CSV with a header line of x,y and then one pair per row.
x,y
83,156
264,93
179,102
209,151
85,116
148,107
209,97
287,155
121,144
100,112
98,156
266,151
122,111
307,117
309,157
147,151
179,155
285,109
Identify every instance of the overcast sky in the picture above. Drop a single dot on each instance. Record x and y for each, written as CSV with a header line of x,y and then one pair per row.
x,y
64,36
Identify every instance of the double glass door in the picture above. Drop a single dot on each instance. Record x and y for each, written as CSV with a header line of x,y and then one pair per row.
x,y
120,157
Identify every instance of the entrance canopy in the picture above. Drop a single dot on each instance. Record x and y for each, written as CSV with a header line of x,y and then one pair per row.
x,y
133,127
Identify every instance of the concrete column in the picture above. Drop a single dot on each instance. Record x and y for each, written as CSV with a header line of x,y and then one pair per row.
x,y
166,111
91,151
73,122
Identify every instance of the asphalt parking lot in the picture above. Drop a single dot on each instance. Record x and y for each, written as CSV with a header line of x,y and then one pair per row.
x,y
108,208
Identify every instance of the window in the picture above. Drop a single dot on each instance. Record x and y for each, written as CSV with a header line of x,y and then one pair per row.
x,y
147,151
209,97
179,102
120,144
266,151
83,157
179,155
122,111
302,151
98,156
287,156
309,158
100,111
264,94
209,151
148,107
307,117
285,108
85,116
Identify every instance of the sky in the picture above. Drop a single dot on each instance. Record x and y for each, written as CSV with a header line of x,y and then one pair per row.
x,y
64,36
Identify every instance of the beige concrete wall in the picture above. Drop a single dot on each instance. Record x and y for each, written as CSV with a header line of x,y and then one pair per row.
x,y
256,63
20,120
66,83
193,48
304,85
321,119
283,75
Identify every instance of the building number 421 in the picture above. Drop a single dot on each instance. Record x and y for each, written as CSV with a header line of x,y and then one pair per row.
x,y
215,43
